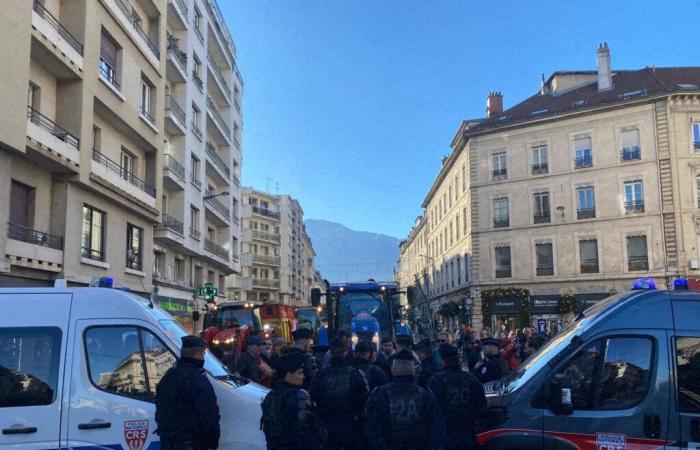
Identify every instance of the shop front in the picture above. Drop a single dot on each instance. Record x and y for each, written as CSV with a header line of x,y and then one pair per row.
x,y
506,311
545,312
180,309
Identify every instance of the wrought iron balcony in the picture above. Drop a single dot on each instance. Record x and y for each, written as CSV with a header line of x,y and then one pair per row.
x,y
218,117
267,260
50,126
174,107
637,263
266,283
216,159
583,162
543,217
264,236
174,166
589,267
178,55
171,223
503,272
109,74
237,104
585,213
56,25
123,174
236,180
216,249
539,169
266,212
126,9
219,76
196,181
198,81
501,223
631,154
634,207
499,174
216,204
237,143
183,8
545,270
196,131
36,237
195,233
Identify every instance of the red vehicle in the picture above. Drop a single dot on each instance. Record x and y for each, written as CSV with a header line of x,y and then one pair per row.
x,y
278,321
235,323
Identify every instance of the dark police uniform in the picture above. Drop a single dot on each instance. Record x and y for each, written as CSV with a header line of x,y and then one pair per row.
x,y
289,419
402,415
428,366
461,398
493,368
375,376
340,391
186,411
309,361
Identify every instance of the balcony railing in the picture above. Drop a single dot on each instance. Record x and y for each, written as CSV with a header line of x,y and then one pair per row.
x,y
236,180
216,249
630,154
585,213
637,263
235,218
195,233
196,131
218,117
545,270
503,273
237,143
171,223
198,32
262,235
198,81
269,260
211,153
266,283
56,25
218,22
174,107
183,7
108,73
174,166
634,207
147,114
236,258
589,267
137,26
265,212
501,223
196,181
237,104
583,161
50,126
544,217
219,76
216,204
178,55
91,253
499,174
538,169
36,237
123,174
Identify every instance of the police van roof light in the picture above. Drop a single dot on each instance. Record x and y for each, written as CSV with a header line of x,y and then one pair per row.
x,y
680,284
643,283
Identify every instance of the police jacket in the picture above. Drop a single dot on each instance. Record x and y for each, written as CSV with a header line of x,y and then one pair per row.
x,y
428,368
186,409
390,362
492,368
289,419
340,391
461,398
375,376
248,367
402,415
310,366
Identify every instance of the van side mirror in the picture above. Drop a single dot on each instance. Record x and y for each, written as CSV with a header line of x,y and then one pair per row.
x,y
560,395
411,295
315,297
195,316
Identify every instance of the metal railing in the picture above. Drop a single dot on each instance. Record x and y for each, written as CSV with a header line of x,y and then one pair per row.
x,y
265,212
219,76
219,24
218,162
583,161
264,236
216,204
538,169
172,164
92,253
195,233
196,181
265,259
147,114
630,154
636,206
237,142
237,104
266,283
198,81
585,213
545,270
36,237
56,25
235,218
589,267
499,174
696,145
500,223
236,257
196,131
637,263
198,32
123,174
503,273
170,223
50,126
108,73
218,118
174,107
178,55
216,249
544,217
237,180
183,8
137,26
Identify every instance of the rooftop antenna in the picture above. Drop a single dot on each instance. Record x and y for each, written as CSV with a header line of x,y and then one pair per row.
x,y
267,184
277,188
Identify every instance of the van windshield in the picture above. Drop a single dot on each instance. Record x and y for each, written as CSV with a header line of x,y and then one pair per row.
x,y
211,364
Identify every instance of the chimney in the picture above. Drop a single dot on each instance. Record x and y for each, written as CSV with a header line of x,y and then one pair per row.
x,y
494,104
604,72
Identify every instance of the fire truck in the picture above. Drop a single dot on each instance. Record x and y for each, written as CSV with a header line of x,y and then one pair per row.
x,y
278,321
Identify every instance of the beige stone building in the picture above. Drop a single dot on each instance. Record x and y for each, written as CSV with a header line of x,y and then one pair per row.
x,y
571,194
278,257
85,132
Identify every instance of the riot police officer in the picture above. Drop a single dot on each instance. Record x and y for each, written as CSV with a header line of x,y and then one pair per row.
x,y
289,419
492,367
428,366
303,339
402,415
186,411
374,375
461,398
340,391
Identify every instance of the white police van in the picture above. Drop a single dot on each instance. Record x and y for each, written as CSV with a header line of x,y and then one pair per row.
x,y
79,369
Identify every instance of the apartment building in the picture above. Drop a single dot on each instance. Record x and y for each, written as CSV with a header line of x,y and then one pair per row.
x,y
569,195
87,143
277,255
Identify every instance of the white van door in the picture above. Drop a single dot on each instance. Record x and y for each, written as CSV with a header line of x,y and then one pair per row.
x,y
32,356
116,367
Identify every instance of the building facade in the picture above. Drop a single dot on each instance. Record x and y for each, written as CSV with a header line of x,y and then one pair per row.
x,y
278,257
570,195
87,138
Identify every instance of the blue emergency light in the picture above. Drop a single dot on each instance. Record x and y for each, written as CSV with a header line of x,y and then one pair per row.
x,y
103,282
643,284
680,284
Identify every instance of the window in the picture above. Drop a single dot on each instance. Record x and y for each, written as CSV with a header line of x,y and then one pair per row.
x,y
696,137
22,199
610,374
198,276
195,169
195,117
30,358
540,163
134,247
545,259
34,97
634,197
221,283
128,165
198,23
583,155
500,212
179,269
585,199
464,214
126,361
502,257
96,138
637,258
500,170
464,177
541,208
629,141
459,270
697,189
93,234
158,264
194,222
197,71
588,249
146,100
109,52
451,235
457,226
210,276
688,369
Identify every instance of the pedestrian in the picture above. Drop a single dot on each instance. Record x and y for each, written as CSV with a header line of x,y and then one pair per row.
x,y
278,344
289,418
363,362
387,350
403,342
303,338
492,367
471,349
428,366
347,342
248,364
341,391
402,415
187,415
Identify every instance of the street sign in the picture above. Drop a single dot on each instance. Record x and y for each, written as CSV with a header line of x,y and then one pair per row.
x,y
208,291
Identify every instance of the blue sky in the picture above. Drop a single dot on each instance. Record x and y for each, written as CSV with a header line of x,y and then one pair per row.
x,y
349,105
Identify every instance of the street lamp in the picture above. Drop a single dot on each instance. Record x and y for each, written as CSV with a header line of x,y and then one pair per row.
x,y
207,197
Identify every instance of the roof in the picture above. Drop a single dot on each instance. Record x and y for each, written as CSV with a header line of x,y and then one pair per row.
x,y
628,86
